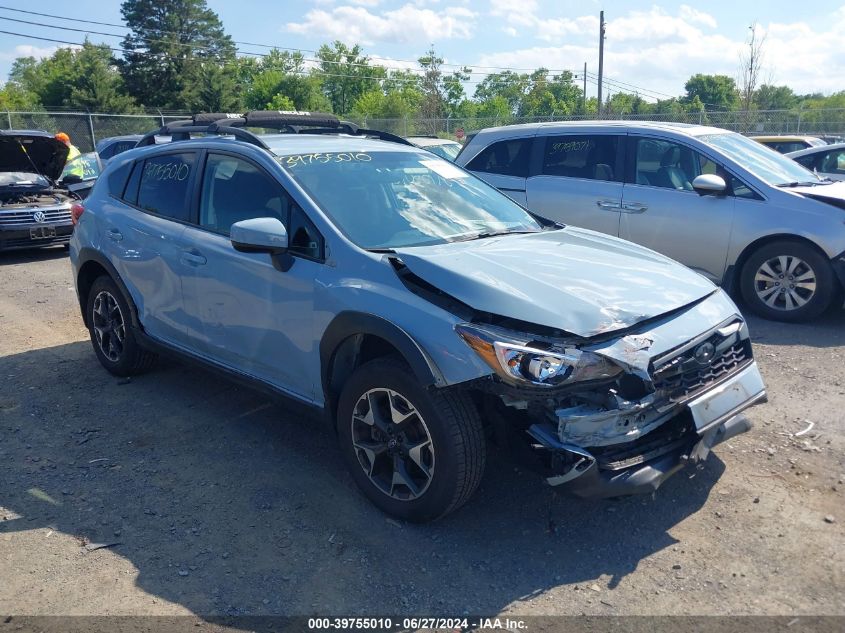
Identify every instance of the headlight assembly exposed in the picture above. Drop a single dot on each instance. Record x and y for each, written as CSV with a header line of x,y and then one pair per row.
x,y
519,362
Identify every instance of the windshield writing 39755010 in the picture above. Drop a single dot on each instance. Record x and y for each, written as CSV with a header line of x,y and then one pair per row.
x,y
166,171
342,157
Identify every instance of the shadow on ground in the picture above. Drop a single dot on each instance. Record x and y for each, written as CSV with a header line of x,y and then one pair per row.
x,y
230,504
826,331
32,255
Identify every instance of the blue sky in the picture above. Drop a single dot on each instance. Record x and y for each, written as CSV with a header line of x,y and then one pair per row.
x,y
653,47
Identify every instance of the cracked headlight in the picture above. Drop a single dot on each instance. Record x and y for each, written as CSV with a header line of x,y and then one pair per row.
x,y
520,362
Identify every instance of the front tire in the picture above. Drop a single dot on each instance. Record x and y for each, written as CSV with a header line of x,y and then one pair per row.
x,y
787,281
112,335
417,454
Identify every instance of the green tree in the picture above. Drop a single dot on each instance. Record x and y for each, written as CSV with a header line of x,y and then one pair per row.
x,y
213,88
346,74
507,84
770,97
13,97
86,78
168,40
96,84
282,74
716,92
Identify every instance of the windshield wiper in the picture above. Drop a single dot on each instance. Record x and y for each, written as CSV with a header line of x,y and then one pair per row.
x,y
486,234
811,183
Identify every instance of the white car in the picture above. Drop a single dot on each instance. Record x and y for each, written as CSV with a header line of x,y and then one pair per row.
x,y
442,147
742,215
827,161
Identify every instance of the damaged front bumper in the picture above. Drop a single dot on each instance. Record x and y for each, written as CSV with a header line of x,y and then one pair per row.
x,y
642,464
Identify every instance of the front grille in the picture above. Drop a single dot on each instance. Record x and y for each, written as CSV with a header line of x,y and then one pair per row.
x,y
684,376
21,217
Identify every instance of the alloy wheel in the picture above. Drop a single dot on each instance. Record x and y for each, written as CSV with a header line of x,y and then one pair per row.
x,y
392,444
785,282
109,326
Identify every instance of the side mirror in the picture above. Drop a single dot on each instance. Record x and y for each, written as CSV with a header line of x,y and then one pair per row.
x,y
259,235
709,184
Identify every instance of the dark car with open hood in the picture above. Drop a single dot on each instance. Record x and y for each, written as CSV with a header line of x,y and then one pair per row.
x,y
36,203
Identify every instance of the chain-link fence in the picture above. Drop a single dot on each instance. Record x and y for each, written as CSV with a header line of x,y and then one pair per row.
x,y
85,129
812,122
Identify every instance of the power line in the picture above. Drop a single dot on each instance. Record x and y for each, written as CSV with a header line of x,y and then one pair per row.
x,y
639,89
310,72
269,46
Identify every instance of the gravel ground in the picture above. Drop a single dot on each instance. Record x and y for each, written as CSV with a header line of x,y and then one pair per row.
x,y
217,501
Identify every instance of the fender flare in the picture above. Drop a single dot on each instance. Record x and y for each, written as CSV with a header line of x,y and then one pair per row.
x,y
87,255
347,324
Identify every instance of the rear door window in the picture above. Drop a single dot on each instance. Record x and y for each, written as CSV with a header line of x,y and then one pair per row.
x,y
593,157
164,185
508,158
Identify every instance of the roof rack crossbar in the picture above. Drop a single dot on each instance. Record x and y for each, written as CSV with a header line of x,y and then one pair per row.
x,y
230,124
183,132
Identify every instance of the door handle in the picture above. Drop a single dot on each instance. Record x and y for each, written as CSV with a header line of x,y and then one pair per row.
x,y
633,207
115,235
193,258
608,205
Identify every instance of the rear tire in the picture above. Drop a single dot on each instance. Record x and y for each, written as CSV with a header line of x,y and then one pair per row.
x,y
417,454
112,334
787,281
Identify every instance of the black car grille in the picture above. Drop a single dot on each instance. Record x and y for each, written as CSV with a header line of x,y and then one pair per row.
x,y
22,217
684,375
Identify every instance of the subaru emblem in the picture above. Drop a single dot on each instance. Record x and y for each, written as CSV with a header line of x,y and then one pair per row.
x,y
704,353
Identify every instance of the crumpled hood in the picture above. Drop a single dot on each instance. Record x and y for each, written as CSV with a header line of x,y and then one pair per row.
x,y
575,280
833,193
25,151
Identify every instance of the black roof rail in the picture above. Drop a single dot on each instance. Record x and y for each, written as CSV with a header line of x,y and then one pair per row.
x,y
294,122
182,132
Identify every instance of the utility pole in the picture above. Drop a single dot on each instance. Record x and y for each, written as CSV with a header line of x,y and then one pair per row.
x,y
602,25
585,90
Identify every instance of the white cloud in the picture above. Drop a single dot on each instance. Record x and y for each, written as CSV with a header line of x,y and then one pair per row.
x,y
408,23
28,50
689,14
659,51
525,16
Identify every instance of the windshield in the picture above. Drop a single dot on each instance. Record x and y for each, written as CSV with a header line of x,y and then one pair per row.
x,y
761,161
85,166
449,151
394,199
22,179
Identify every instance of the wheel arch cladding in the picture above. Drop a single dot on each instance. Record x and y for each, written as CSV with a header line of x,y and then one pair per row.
x,y
95,265
353,338
734,275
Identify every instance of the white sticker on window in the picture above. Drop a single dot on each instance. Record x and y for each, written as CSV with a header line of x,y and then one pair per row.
x,y
444,168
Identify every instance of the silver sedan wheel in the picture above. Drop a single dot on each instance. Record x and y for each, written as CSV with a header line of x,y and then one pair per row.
x,y
785,282
109,326
392,443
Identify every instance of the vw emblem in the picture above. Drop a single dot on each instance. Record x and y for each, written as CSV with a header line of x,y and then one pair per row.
x,y
39,216
704,353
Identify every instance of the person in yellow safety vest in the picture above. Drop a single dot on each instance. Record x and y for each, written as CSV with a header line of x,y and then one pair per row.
x,y
73,151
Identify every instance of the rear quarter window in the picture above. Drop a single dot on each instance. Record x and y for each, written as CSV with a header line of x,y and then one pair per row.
x,y
509,158
116,179
164,185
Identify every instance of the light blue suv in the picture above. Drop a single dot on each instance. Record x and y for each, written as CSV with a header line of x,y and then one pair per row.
x,y
423,311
